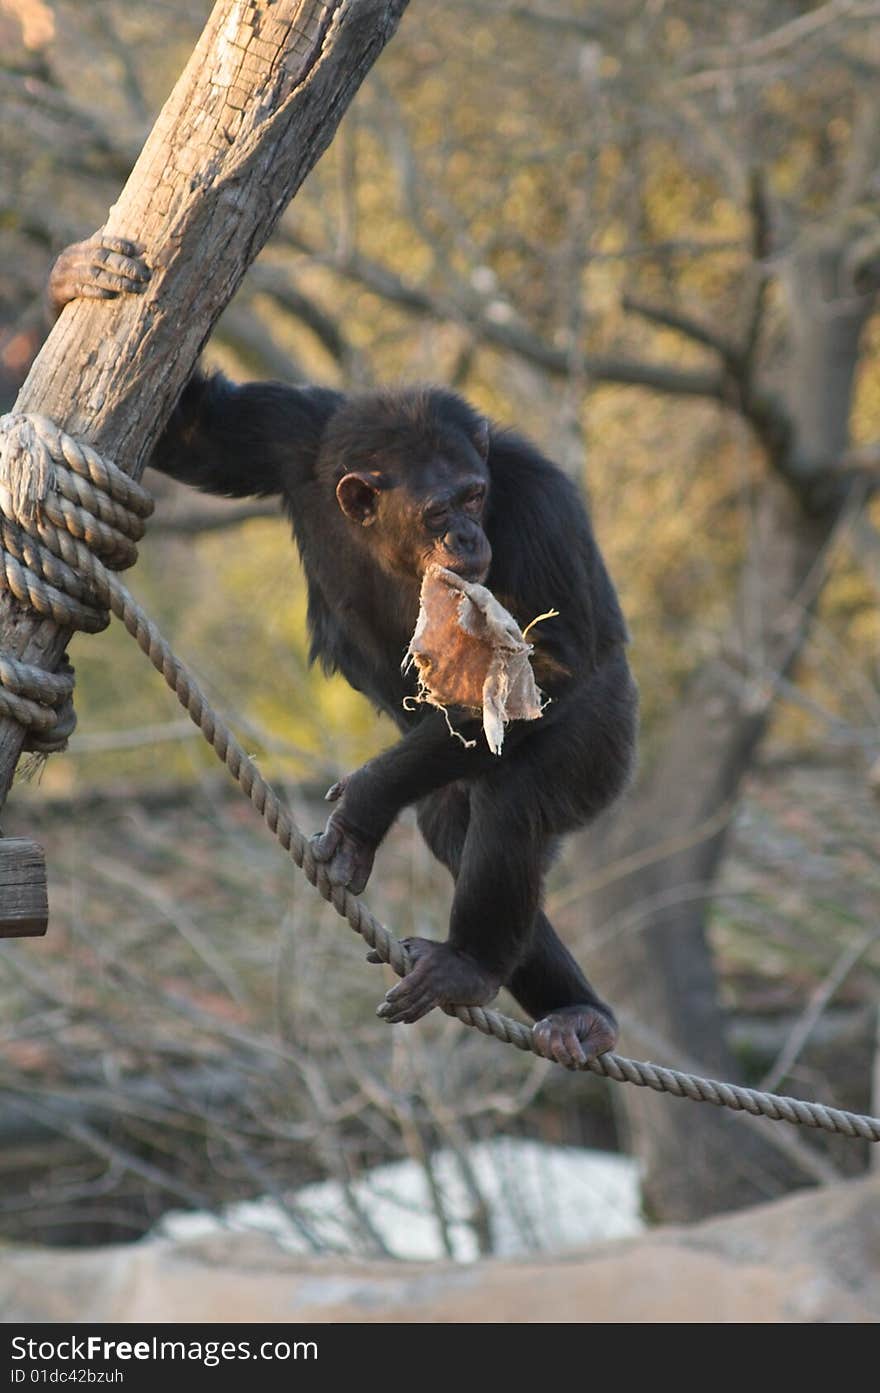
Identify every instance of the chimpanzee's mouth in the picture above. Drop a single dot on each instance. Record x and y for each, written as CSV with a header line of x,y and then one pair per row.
x,y
475,575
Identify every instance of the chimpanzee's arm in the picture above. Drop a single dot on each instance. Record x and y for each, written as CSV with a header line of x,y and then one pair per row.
x,y
369,800
427,758
596,717
257,439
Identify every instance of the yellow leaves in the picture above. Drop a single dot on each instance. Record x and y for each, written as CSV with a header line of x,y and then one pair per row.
x,y
610,162
250,625
677,34
668,497
36,21
865,418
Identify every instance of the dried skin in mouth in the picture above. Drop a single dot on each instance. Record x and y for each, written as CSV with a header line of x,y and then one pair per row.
x,y
470,652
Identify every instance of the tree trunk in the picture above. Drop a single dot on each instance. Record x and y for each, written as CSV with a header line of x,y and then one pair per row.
x,y
660,964
256,106
660,967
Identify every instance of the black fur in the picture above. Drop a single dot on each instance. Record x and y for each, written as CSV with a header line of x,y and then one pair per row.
x,y
493,821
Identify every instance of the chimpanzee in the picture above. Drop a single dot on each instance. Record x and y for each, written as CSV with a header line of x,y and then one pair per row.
x,y
378,487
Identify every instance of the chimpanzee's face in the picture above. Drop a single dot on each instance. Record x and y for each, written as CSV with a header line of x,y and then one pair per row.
x,y
424,513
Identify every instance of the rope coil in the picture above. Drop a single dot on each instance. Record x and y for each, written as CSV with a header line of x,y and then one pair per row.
x,y
62,509
66,514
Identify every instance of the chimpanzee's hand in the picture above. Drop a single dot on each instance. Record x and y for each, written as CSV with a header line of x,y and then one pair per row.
x,y
100,268
574,1034
438,976
347,852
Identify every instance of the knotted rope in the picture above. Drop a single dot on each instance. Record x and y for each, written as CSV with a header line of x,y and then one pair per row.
x,y
67,516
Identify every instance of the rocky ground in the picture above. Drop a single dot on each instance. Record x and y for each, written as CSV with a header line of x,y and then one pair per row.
x,y
812,1257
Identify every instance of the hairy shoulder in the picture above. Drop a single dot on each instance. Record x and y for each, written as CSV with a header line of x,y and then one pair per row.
x,y
545,555
537,516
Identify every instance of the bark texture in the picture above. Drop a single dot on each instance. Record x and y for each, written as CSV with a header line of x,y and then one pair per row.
x,y
24,908
256,106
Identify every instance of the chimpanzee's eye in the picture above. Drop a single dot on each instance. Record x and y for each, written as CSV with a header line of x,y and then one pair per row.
x,y
474,500
437,520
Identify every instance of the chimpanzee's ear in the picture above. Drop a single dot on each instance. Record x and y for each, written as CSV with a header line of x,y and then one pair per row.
x,y
481,437
357,495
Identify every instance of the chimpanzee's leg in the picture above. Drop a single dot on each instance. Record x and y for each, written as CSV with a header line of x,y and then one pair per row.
x,y
492,837
497,889
573,1023
498,886
443,819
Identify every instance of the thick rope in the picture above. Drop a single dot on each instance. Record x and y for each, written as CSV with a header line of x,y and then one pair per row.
x,y
62,507
60,529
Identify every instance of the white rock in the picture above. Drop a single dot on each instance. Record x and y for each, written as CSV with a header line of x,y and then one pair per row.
x,y
539,1199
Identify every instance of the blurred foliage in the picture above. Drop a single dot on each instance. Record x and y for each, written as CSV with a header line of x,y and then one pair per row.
x,y
520,172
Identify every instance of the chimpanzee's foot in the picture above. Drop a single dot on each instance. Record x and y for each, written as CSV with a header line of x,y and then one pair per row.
x,y
100,268
439,976
574,1034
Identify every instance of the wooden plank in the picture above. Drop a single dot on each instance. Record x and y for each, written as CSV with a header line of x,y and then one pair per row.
x,y
24,904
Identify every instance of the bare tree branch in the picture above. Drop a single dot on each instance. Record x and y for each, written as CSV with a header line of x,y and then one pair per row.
x,y
515,337
267,280
686,325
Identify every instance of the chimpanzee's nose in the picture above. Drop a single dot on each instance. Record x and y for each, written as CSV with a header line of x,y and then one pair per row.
x,y
468,551
461,540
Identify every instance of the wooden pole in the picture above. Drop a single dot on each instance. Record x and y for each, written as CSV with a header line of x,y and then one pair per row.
x,y
255,108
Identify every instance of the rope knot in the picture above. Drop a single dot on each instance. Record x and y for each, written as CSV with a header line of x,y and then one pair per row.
x,y
67,516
